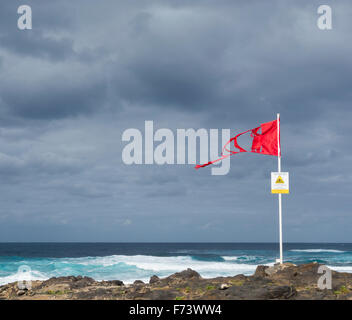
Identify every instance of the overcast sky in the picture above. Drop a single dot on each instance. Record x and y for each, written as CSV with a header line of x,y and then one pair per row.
x,y
88,70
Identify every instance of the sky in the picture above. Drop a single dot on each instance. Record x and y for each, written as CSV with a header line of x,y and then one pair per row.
x,y
88,70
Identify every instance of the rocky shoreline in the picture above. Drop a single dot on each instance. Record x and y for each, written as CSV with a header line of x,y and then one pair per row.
x,y
287,281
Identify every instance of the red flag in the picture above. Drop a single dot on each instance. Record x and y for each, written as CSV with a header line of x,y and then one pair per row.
x,y
265,142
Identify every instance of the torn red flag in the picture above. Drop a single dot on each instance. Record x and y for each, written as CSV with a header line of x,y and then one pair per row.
x,y
265,142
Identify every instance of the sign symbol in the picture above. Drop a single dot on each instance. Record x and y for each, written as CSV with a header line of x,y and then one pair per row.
x,y
279,180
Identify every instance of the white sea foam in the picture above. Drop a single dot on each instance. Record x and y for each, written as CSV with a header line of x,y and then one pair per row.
x,y
317,250
173,264
227,258
341,268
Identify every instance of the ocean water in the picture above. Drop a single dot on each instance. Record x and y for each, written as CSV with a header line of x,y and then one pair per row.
x,y
131,261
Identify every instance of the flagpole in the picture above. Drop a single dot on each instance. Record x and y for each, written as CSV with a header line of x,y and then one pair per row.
x,y
279,170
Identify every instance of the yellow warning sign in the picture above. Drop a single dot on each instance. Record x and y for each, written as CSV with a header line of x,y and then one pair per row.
x,y
279,180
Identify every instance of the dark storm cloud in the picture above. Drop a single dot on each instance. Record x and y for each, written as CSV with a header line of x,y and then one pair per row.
x,y
88,70
38,46
200,57
45,164
44,77
237,58
54,99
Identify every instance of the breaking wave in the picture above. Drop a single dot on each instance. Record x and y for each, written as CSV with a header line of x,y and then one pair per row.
x,y
123,267
129,268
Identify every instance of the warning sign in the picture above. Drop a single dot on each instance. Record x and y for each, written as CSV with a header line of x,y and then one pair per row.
x,y
279,182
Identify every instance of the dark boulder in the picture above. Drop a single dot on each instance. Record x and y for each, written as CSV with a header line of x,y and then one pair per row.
x,y
186,274
113,283
276,292
154,279
260,271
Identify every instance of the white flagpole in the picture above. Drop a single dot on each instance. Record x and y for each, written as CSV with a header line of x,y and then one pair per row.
x,y
279,170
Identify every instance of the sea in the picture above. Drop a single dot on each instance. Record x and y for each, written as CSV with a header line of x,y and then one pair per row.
x,y
139,261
